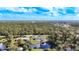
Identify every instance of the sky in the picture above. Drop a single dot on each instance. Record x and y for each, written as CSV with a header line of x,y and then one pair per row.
x,y
39,13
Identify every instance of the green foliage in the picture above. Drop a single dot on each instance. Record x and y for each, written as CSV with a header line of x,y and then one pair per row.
x,y
59,34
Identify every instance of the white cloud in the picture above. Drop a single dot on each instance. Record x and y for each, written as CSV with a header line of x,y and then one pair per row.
x,y
16,9
1,14
19,9
53,11
77,9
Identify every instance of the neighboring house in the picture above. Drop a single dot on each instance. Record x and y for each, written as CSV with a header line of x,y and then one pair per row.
x,y
20,49
41,39
35,46
2,46
43,46
77,33
68,49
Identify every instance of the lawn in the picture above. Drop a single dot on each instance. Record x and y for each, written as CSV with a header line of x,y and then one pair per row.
x,y
37,49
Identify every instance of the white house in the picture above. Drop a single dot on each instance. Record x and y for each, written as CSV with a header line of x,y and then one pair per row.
x,y
2,46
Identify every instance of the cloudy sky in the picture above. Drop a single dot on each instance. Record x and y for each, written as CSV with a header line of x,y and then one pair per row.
x,y
39,13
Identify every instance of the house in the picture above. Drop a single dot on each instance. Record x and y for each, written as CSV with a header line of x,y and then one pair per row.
x,y
20,49
2,46
40,39
35,46
43,46
77,33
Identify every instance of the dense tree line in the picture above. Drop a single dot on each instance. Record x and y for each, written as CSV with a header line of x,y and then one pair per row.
x,y
25,28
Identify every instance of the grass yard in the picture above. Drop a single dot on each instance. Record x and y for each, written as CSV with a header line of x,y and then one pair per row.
x,y
37,49
34,41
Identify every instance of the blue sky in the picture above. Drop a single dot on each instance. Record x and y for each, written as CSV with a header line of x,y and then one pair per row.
x,y
39,13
